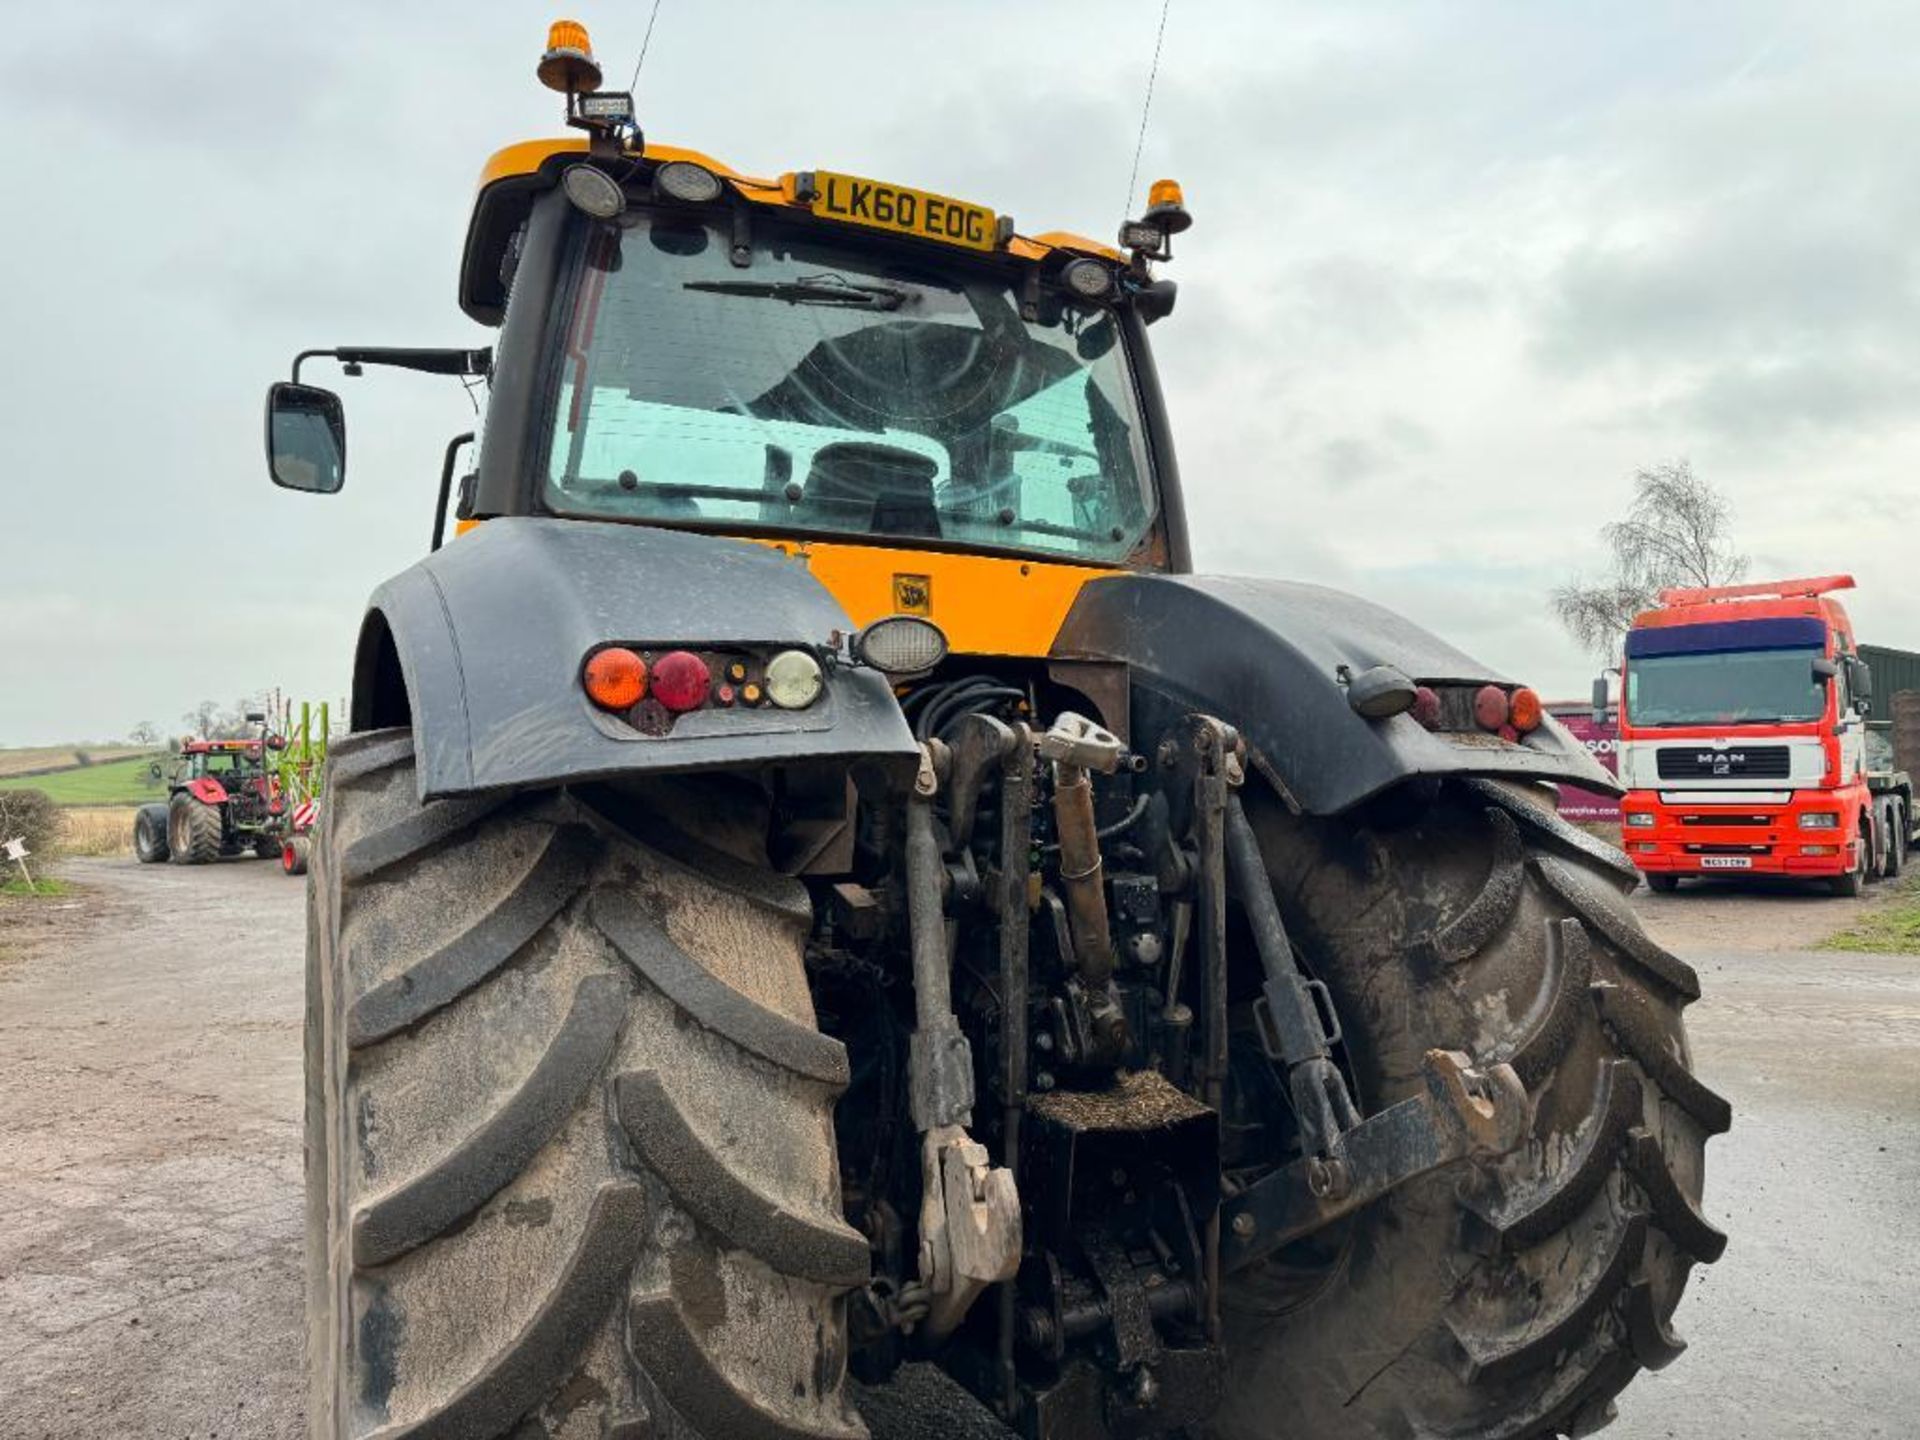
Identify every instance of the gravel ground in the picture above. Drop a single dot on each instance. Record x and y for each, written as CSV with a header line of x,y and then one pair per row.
x,y
150,1170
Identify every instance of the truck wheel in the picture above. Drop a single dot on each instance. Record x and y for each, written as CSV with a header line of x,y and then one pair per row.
x,y
571,1158
293,855
150,834
1854,882
1892,840
267,847
1662,884
1506,1301
193,831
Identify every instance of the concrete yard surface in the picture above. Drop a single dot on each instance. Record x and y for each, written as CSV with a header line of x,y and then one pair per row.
x,y
150,1170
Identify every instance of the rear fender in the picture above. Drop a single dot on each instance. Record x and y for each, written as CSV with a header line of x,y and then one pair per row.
x,y
479,648
1267,657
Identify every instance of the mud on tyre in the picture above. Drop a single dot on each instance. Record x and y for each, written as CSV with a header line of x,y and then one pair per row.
x,y
193,831
1514,1301
570,1148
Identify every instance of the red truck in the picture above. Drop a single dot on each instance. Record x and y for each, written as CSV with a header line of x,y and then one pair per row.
x,y
1745,744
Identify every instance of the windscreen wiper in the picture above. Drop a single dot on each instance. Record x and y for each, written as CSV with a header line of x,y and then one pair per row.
x,y
811,290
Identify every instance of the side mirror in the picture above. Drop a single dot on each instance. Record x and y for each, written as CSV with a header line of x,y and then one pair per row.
x,y
1860,683
155,770
1599,699
306,438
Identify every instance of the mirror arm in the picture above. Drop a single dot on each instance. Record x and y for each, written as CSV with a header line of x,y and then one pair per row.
x,y
446,487
464,363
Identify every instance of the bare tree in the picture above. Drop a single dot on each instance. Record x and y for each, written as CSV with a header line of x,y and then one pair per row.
x,y
145,733
1675,533
203,720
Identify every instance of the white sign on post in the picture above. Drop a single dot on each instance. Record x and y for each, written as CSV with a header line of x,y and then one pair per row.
x,y
17,852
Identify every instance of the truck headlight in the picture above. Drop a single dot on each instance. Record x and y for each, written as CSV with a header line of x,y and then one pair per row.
x,y
1820,820
1640,819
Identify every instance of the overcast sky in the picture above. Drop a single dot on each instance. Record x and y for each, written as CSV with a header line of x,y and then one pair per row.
x,y
1456,271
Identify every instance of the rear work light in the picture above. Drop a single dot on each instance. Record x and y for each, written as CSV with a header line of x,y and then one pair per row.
x,y
684,181
901,647
615,678
1088,278
681,680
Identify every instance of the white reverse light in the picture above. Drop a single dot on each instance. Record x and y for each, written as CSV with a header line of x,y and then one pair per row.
x,y
794,680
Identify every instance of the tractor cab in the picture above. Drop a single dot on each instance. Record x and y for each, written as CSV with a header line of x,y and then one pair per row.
x,y
814,360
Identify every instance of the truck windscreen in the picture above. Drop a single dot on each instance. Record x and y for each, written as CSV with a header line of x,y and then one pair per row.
x,y
829,389
1733,687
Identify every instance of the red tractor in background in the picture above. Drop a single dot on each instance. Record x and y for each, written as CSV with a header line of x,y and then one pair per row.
x,y
223,798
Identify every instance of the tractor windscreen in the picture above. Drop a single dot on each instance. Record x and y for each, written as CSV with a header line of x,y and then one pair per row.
x,y
828,389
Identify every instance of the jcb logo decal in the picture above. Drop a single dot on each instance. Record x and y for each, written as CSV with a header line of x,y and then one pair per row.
x,y
913,594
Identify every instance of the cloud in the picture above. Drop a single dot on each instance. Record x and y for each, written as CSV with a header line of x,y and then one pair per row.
x,y
1455,275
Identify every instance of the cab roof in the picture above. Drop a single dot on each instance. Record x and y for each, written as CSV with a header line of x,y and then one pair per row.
x,y
1765,600
513,174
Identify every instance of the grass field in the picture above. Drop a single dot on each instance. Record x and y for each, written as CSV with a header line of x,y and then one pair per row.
x,y
38,758
117,782
45,887
1892,928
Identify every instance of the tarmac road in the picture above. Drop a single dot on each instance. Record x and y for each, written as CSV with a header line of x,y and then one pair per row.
x,y
150,1171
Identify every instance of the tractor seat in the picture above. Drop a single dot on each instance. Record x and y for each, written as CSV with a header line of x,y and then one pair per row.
x,y
892,485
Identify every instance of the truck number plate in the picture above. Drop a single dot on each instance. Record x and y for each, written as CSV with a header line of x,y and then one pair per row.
x,y
903,211
1726,862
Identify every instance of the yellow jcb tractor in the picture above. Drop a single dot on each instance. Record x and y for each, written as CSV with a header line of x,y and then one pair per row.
x,y
817,884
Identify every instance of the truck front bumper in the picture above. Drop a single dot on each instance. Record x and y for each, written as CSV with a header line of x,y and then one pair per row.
x,y
1746,839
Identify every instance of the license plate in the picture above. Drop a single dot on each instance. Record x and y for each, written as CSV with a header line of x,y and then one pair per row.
x,y
1726,862
880,206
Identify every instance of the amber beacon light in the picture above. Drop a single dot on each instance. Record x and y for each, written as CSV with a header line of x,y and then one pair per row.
x,y
568,64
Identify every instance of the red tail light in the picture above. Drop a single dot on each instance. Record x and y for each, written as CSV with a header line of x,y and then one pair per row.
x,y
1490,707
1426,706
681,680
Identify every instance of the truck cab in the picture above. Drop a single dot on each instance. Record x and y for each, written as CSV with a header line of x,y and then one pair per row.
x,y
1743,740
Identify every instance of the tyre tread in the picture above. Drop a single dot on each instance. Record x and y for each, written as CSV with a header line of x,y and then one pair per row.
x,y
709,1001
814,1247
481,1165
444,975
539,1357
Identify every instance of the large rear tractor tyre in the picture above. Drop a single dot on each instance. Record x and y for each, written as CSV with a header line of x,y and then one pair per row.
x,y
570,1148
1503,1301
193,831
150,834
